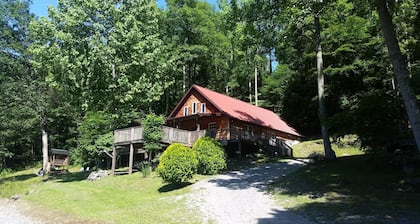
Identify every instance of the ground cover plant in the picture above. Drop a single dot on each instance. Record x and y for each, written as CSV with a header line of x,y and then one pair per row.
x,y
357,187
119,199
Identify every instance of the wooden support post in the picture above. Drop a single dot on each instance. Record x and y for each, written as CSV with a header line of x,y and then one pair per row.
x,y
114,159
130,163
240,148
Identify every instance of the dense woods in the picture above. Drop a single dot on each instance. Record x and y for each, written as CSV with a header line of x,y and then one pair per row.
x,y
93,66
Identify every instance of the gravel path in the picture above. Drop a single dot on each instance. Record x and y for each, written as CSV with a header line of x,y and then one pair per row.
x,y
9,214
238,196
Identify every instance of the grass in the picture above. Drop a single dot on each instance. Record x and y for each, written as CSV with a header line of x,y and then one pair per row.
x,y
119,199
356,188
344,147
20,182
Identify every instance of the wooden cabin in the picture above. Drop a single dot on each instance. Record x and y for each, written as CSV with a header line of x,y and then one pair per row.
x,y
230,120
203,112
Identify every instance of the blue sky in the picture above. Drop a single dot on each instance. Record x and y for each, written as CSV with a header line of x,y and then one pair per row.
x,y
40,7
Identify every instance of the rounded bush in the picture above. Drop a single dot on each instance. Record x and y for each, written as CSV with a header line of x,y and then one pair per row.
x,y
210,155
177,164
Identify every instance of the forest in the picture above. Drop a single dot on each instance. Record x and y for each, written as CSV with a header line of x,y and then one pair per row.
x,y
70,79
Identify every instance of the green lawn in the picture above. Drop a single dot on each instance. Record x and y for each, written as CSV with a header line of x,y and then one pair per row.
x,y
346,147
357,188
353,189
120,199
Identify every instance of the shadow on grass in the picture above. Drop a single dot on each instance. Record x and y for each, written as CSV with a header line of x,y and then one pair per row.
x,y
356,189
71,177
22,177
172,187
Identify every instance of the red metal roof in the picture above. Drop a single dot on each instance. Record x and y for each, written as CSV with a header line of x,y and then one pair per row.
x,y
244,111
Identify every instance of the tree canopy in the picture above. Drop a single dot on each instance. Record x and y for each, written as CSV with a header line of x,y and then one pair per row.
x,y
92,66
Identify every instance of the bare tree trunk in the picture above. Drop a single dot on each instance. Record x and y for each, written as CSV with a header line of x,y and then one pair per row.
x,y
329,153
400,69
44,149
256,84
184,78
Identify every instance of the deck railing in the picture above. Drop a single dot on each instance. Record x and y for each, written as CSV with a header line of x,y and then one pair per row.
x,y
170,135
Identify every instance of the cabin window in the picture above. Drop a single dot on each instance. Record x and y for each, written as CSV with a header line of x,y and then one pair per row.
x,y
203,108
194,107
185,111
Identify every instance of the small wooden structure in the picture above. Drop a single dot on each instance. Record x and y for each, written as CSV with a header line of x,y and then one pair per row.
x,y
58,157
58,160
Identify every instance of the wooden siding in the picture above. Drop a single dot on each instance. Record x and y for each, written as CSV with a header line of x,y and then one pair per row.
x,y
195,97
170,135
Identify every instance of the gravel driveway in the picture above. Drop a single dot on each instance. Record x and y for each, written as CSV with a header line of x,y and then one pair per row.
x,y
9,214
238,196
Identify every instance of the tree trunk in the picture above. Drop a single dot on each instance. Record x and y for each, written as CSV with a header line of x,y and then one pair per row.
x,y
44,149
400,69
329,153
256,84
184,78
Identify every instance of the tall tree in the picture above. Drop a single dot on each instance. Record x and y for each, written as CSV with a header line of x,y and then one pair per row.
x,y
400,68
19,126
329,153
105,57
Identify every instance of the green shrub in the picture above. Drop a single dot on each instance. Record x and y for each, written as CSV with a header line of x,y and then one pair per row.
x,y
210,154
177,164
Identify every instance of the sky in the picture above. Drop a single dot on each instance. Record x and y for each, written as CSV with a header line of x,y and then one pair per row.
x,y
40,7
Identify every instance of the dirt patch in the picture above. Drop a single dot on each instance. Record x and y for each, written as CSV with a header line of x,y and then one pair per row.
x,y
23,212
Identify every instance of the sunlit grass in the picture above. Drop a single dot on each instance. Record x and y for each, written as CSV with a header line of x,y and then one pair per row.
x,y
18,183
119,199
346,147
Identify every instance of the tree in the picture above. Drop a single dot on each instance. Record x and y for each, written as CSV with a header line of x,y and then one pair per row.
x,y
19,121
329,153
400,69
152,134
106,55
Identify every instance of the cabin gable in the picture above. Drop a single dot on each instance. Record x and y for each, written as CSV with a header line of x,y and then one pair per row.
x,y
193,104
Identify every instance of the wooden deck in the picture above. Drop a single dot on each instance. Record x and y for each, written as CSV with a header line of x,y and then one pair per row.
x,y
134,135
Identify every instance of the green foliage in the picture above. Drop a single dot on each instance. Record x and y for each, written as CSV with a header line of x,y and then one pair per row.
x,y
95,136
107,56
178,164
146,169
20,102
210,155
152,133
